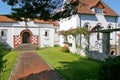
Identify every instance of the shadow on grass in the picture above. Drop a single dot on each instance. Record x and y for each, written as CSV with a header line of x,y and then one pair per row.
x,y
44,75
82,69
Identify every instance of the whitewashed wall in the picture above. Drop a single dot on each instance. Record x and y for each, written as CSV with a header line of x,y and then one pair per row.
x,y
46,41
56,35
93,20
49,40
68,23
9,34
36,29
105,21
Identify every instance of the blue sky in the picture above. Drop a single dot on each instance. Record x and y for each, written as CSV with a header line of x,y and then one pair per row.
x,y
114,4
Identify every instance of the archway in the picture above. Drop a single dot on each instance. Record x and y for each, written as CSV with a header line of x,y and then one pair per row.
x,y
26,37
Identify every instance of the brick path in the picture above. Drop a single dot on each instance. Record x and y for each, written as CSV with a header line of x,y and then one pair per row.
x,y
29,66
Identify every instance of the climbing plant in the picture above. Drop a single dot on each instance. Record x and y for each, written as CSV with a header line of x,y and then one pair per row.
x,y
75,32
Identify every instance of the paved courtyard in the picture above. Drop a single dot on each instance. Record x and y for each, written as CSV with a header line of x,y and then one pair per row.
x,y
29,66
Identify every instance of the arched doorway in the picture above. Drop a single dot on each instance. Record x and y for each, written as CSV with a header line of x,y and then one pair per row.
x,y
26,37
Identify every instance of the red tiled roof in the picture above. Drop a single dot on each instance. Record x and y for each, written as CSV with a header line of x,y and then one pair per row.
x,y
93,3
5,19
86,5
55,23
96,3
83,9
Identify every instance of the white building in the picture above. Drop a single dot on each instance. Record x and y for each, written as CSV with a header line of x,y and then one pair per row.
x,y
38,32
92,13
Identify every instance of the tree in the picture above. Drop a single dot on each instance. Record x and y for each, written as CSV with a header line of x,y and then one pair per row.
x,y
42,9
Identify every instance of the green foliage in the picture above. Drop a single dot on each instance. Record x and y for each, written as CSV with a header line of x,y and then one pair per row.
x,y
3,52
65,49
2,68
79,46
3,49
42,9
56,45
75,31
65,33
37,48
110,69
80,31
71,66
8,62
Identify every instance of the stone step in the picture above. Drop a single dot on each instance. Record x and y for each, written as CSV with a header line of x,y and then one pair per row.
x,y
25,47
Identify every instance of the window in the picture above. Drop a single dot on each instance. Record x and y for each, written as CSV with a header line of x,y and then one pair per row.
x,y
98,28
56,30
2,33
110,26
87,25
98,10
46,34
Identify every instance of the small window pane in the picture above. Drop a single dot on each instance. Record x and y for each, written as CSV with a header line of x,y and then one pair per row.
x,y
98,11
56,30
46,33
2,33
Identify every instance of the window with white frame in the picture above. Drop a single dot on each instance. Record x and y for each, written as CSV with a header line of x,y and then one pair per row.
x,y
99,35
46,33
87,25
3,34
110,26
56,30
98,10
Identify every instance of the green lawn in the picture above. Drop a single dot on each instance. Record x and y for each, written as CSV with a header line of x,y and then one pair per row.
x,y
10,59
71,66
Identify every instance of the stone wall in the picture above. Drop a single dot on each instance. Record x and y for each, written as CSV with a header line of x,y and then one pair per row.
x,y
94,54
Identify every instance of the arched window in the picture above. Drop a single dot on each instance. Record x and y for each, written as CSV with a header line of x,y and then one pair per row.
x,y
98,28
110,26
87,25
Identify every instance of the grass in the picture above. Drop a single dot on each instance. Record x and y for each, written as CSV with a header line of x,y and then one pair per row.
x,y
9,59
71,66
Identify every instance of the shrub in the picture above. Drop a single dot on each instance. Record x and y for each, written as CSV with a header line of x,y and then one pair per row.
x,y
56,45
37,48
110,69
3,49
65,48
